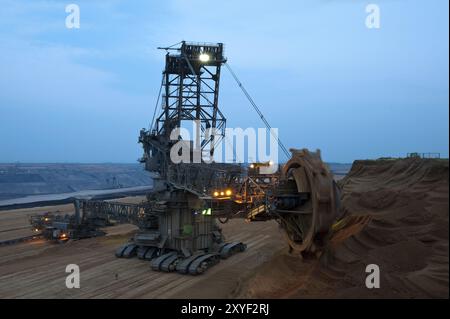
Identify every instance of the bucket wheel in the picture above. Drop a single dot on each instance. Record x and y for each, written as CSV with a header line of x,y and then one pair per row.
x,y
307,202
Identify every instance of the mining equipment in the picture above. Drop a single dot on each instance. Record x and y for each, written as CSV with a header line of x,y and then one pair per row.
x,y
179,222
61,228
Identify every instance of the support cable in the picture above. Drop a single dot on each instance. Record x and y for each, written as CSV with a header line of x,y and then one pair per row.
x,y
266,123
157,103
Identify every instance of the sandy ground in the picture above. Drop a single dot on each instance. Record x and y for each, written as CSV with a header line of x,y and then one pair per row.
x,y
397,218
37,269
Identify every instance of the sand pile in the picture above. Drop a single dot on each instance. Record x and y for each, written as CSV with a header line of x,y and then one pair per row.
x,y
396,217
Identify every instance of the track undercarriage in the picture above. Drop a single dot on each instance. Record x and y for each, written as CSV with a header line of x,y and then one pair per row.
x,y
177,234
167,260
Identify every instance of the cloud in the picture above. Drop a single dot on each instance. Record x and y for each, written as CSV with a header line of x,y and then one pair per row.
x,y
44,63
306,60
33,74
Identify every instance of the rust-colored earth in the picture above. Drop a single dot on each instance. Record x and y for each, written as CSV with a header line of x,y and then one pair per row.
x,y
396,217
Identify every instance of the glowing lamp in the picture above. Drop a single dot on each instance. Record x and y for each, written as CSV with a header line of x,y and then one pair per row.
x,y
204,57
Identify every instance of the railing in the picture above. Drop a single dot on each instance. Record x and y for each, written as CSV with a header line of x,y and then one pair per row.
x,y
200,179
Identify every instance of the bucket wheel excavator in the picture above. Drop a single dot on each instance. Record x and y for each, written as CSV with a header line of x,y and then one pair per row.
x,y
178,229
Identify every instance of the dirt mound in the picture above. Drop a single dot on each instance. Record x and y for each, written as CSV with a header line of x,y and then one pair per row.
x,y
396,216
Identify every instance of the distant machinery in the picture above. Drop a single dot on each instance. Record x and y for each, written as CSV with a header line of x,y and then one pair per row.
x,y
177,223
61,228
423,155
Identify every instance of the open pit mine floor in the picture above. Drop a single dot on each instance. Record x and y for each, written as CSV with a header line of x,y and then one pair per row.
x,y
37,269
395,216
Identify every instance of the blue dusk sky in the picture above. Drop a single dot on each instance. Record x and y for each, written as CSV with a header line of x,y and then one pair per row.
x,y
314,68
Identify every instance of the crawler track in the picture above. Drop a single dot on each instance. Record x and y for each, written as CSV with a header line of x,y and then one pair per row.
x,y
171,261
